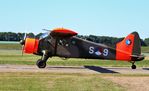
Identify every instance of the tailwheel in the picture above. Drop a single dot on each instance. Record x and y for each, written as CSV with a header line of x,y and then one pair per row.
x,y
133,66
41,64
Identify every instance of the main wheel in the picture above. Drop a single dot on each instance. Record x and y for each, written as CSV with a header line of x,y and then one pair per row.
x,y
41,64
133,66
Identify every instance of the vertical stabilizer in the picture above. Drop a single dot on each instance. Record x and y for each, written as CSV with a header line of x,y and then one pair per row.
x,y
129,48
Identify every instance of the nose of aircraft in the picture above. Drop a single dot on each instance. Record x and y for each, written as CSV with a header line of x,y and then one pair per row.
x,y
30,45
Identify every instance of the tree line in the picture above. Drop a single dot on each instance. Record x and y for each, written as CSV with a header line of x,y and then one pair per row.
x,y
110,40
11,36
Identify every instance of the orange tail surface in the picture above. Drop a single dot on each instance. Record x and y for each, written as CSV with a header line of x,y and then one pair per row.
x,y
128,47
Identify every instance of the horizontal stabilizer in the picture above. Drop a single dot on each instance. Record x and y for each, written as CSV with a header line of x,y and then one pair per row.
x,y
137,58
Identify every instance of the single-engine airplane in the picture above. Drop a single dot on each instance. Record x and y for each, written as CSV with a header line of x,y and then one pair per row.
x,y
63,42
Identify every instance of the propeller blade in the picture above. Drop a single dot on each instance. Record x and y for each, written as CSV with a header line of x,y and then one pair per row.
x,y
22,42
25,35
22,50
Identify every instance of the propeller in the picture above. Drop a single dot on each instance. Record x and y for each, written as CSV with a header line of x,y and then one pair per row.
x,y
22,42
22,49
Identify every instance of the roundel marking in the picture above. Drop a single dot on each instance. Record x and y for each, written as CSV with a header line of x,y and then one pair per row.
x,y
128,42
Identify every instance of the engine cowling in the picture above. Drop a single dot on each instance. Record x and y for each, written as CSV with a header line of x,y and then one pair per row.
x,y
31,45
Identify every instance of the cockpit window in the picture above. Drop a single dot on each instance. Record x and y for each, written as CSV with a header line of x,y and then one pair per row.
x,y
44,35
73,42
63,42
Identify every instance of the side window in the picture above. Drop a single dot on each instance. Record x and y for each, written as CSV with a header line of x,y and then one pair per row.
x,y
49,38
73,42
44,35
63,42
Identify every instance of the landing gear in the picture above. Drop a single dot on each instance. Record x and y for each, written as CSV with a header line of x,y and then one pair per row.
x,y
133,65
40,63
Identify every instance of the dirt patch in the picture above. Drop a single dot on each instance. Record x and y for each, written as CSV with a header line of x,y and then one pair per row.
x,y
147,58
131,83
74,69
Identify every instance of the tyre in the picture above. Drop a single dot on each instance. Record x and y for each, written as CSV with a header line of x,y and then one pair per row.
x,y
40,63
133,66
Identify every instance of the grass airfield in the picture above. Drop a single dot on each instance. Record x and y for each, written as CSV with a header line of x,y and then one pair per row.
x,y
10,54
55,82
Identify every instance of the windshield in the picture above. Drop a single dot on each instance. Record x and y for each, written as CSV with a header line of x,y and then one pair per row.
x,y
44,35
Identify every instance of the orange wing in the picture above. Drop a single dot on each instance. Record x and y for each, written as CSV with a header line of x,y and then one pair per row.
x,y
62,32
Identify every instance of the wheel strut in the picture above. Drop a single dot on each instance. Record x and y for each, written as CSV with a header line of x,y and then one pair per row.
x,y
41,63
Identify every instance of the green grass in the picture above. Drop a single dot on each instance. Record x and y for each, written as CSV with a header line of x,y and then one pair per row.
x,y
27,81
55,82
12,46
145,49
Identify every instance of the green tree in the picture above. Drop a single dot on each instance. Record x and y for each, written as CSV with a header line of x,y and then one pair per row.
x,y
147,41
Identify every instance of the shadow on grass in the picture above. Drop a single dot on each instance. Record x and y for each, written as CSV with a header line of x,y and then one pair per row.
x,y
145,68
94,68
65,67
99,69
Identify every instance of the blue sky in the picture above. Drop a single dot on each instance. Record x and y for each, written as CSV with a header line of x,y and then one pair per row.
x,y
115,18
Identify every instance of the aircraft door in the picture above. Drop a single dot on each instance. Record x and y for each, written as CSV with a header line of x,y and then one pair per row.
x,y
66,47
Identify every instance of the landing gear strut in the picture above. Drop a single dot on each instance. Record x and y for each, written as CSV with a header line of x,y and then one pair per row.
x,y
133,65
41,63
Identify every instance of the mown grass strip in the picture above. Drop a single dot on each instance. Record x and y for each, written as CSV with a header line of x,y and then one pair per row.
x,y
55,82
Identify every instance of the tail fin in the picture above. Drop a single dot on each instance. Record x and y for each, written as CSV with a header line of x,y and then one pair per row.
x,y
129,48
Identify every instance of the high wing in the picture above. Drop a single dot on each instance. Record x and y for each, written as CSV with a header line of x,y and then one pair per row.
x,y
62,32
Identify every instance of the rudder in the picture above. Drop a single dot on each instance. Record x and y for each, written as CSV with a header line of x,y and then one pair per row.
x,y
129,47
